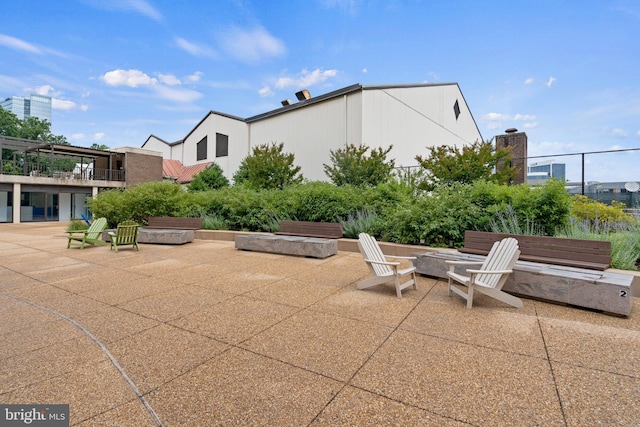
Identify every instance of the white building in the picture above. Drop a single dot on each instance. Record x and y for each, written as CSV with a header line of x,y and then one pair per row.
x,y
409,117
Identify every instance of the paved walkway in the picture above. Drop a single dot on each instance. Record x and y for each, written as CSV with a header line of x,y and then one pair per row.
x,y
204,335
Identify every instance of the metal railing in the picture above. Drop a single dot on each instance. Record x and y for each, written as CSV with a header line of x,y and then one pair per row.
x,y
9,167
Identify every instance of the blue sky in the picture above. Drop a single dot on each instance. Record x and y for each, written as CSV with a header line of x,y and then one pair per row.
x,y
565,72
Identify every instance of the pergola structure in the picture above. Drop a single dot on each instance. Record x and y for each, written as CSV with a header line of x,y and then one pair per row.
x,y
15,152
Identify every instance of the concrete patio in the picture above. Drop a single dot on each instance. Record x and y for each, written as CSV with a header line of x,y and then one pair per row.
x,y
203,334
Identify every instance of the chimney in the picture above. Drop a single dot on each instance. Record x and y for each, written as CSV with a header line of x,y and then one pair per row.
x,y
303,95
517,142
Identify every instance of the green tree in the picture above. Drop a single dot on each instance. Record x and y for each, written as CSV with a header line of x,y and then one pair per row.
x,y
242,174
448,164
351,165
212,178
97,146
269,167
9,123
32,128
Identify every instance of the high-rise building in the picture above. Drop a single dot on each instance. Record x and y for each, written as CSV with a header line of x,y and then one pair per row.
x,y
33,106
541,172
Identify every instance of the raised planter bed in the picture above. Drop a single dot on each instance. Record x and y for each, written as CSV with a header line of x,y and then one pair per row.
x,y
598,290
287,245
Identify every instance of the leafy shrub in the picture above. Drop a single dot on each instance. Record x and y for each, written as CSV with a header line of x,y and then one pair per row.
x,y
593,211
140,202
211,178
269,167
352,166
77,225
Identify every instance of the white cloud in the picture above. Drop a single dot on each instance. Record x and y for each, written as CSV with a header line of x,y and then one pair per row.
x,y
78,136
195,77
61,104
265,91
619,133
165,86
195,49
498,120
17,44
251,46
495,117
349,6
528,81
139,6
177,94
364,70
84,107
305,79
520,117
46,90
131,78
551,81
98,136
506,117
169,79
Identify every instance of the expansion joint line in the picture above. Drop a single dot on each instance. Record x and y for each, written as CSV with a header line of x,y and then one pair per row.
x,y
104,349
553,374
425,116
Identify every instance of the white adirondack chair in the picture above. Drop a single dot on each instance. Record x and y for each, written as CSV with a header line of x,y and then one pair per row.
x,y
383,270
490,277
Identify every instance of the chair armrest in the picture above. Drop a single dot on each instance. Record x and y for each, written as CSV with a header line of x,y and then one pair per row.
x,y
381,262
112,233
489,272
83,232
450,261
408,258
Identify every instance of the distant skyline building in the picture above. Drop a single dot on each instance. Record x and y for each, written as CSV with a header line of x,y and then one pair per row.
x,y
541,172
32,106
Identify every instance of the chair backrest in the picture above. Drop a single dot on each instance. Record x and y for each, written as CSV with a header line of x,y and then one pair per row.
x,y
126,232
370,249
96,228
502,256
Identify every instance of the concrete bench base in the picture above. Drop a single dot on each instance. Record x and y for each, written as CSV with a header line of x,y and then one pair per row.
x,y
597,290
157,236
288,245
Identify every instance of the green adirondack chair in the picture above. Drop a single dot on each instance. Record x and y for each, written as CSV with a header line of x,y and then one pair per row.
x,y
90,236
125,234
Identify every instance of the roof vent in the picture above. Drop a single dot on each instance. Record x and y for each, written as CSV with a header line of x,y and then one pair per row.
x,y
285,102
303,95
511,130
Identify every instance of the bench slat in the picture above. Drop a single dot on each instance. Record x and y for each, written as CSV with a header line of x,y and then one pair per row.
x,y
329,230
174,223
592,254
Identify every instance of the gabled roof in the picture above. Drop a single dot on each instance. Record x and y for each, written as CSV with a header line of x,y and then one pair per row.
x,y
161,140
338,93
182,175
190,172
171,168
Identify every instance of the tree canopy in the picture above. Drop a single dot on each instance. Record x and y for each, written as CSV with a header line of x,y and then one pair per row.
x,y
32,128
352,166
268,167
212,178
448,164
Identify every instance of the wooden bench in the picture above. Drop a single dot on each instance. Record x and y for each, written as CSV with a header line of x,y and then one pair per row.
x,y
589,254
174,223
326,230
